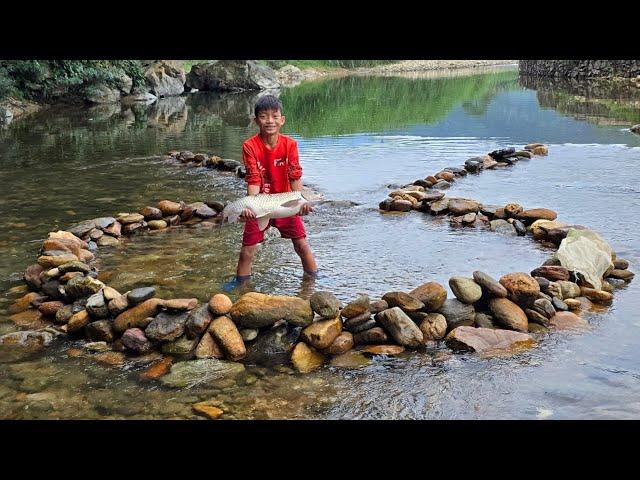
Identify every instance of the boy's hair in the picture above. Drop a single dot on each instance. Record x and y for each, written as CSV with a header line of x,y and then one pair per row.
x,y
268,102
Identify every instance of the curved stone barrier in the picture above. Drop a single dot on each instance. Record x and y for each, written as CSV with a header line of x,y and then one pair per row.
x,y
489,316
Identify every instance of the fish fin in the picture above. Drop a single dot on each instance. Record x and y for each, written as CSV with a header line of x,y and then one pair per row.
x,y
291,203
263,222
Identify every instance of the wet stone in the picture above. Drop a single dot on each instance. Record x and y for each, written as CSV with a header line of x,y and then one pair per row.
x,y
198,321
353,322
96,306
363,326
167,326
139,295
100,331
325,304
559,304
134,339
201,372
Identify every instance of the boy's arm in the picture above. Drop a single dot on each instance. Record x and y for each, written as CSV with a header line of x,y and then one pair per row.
x,y
295,176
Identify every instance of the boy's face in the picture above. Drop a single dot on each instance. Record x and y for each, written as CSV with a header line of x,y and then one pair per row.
x,y
269,121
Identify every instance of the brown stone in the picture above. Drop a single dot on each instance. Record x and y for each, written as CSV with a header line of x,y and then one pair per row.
x,y
551,272
181,304
404,301
598,296
78,320
112,359
305,359
401,205
169,208
540,150
625,275
69,275
567,321
131,318
321,334
114,230
488,340
29,320
512,210
157,370
620,264
118,305
431,179
49,309
534,214
48,261
573,304
151,213
433,327
226,334
462,206
208,347
383,349
522,288
61,234
25,302
132,227
343,343
448,176
62,244
374,335
357,307
256,310
432,294
220,304
32,276
157,224
490,285
86,256
209,411
128,218
508,314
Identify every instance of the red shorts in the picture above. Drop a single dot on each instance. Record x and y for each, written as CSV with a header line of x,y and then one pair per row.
x,y
289,227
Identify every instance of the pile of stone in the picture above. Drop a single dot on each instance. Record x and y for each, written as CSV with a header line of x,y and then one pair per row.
x,y
417,195
205,160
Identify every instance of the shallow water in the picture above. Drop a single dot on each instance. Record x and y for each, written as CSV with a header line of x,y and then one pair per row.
x,y
356,136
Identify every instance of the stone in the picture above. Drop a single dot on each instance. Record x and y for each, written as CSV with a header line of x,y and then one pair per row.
x,y
114,230
544,307
448,176
401,206
220,304
107,241
169,208
573,304
118,305
552,273
217,206
541,228
130,228
128,218
488,340
469,218
362,326
502,153
321,334
32,276
226,334
130,318
537,317
29,320
385,204
559,304
404,301
96,306
537,328
325,304
53,289
598,296
342,343
431,197
350,323
166,327
208,348
462,206
49,309
533,214
29,339
351,360
522,288
78,321
273,347
401,327
86,256
625,275
205,212
256,310
231,75
431,294
134,339
540,150
68,276
157,370
491,286
508,314
306,359
51,261
521,230
375,335
76,266
151,213
465,289
441,185
111,359
83,286
173,220
378,306
201,372
64,314
182,347
502,226
433,327
198,321
568,289
567,321
457,313
484,321
249,334
181,304
209,411
489,163
439,206
512,210
157,224
139,295
100,331
620,264
383,349
25,302
110,293
357,307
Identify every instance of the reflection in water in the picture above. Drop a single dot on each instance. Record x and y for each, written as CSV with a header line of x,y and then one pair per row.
x,y
356,136
602,102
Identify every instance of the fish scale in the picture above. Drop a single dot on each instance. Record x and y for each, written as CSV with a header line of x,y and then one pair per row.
x,y
265,206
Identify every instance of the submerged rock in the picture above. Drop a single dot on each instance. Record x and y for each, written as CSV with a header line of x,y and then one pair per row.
x,y
488,340
200,372
306,359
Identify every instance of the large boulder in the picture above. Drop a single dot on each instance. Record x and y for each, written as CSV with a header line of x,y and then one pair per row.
x,y
165,78
232,75
256,310
488,340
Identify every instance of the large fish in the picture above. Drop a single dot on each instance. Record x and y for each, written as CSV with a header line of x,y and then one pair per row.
x,y
265,206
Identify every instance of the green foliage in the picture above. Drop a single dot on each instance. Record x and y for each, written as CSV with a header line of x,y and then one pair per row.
x,y
326,63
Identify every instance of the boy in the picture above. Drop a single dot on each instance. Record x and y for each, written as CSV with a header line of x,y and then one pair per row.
x,y
271,161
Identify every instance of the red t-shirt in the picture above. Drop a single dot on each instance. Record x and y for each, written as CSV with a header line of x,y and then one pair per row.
x,y
271,169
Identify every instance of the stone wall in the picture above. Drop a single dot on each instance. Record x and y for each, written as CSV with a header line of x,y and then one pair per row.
x,y
580,68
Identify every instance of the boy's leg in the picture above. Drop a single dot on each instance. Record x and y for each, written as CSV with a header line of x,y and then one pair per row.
x,y
247,253
303,249
293,228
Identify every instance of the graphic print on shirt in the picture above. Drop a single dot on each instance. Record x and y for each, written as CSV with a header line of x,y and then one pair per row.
x,y
279,162
266,186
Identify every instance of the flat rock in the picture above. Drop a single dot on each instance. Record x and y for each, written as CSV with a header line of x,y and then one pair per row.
x,y
357,307
490,285
404,301
522,288
255,310
488,340
383,349
139,295
201,372
552,273
375,335
198,321
567,321
342,343
132,317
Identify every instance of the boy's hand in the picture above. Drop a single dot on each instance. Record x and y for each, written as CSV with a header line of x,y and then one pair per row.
x,y
247,214
305,209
